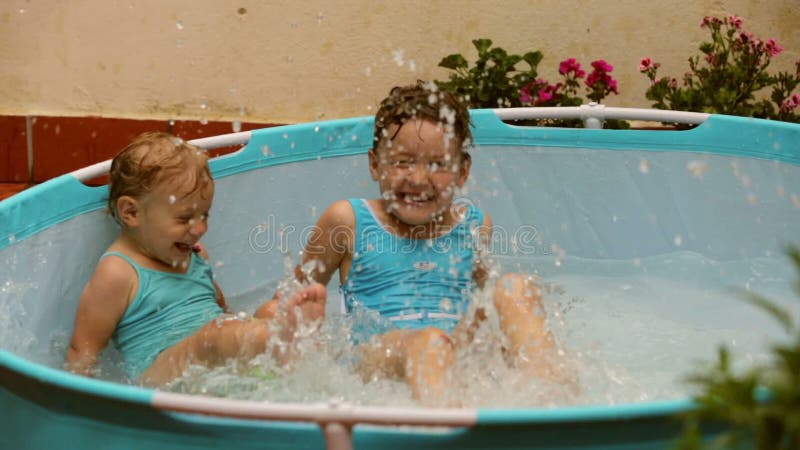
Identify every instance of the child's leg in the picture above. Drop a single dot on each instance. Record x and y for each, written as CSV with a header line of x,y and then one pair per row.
x,y
422,358
220,340
523,321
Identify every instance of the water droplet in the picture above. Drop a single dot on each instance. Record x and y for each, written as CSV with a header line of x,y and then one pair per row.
x,y
316,129
697,168
644,166
745,180
678,240
265,150
203,106
172,199
179,25
237,126
320,17
397,55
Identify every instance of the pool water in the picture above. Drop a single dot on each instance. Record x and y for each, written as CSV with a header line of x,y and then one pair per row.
x,y
632,331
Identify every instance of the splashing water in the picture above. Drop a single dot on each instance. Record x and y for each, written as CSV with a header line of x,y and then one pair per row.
x,y
630,331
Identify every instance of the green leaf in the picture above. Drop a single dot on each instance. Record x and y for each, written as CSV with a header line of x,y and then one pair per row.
x,y
453,62
482,45
533,59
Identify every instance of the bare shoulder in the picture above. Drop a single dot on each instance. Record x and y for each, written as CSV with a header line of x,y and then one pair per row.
x,y
339,213
113,282
115,270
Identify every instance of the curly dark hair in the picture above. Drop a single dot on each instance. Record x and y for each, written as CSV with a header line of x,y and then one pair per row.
x,y
423,100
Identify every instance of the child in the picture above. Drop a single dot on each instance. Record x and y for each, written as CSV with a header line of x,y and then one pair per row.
x,y
411,255
152,291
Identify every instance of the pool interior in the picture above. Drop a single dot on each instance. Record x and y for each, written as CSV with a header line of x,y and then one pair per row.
x,y
645,258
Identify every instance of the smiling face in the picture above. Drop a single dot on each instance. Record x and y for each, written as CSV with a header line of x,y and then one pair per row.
x,y
168,221
418,171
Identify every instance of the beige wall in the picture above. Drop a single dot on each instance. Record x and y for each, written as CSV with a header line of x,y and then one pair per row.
x,y
290,61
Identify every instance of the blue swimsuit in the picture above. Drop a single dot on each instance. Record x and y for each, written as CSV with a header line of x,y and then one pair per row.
x,y
410,283
167,308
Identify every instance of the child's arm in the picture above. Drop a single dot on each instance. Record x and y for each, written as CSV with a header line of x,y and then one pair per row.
x,y
102,304
329,244
328,249
200,249
481,270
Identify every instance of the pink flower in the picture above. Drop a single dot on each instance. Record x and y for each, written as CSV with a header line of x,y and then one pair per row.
x,y
571,66
709,21
645,64
735,21
773,48
544,96
746,37
525,95
612,85
602,66
791,103
787,106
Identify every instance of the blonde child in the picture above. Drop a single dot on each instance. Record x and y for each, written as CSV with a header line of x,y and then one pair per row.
x,y
152,292
412,254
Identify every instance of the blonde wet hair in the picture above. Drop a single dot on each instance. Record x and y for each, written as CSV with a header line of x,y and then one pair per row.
x,y
154,158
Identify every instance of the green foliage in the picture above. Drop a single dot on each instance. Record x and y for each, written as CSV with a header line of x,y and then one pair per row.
x,y
727,77
761,407
494,81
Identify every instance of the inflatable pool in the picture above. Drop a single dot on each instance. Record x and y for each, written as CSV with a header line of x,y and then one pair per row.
x,y
726,190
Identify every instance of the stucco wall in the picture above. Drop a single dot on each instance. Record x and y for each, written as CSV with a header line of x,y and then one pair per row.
x,y
288,61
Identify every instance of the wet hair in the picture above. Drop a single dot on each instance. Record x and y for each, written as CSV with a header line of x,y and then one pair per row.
x,y
153,158
423,100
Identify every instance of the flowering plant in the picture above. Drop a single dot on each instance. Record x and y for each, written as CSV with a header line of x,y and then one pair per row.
x,y
732,69
495,82
599,83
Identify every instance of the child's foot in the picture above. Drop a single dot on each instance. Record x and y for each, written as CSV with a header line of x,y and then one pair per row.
x,y
303,310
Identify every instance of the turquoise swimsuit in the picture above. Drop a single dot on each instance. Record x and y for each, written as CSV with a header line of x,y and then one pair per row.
x,y
410,283
167,308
